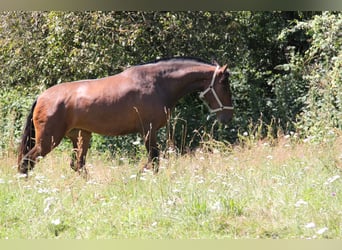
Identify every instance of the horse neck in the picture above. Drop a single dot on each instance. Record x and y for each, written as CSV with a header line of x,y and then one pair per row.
x,y
186,80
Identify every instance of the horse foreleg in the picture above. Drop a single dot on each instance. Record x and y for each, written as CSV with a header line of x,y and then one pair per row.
x,y
45,143
29,160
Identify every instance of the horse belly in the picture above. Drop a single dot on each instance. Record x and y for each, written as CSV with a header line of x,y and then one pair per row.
x,y
106,122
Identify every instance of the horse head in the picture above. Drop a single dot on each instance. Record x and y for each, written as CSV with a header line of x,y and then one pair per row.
x,y
217,95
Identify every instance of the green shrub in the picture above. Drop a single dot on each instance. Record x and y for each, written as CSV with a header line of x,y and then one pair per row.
x,y
319,71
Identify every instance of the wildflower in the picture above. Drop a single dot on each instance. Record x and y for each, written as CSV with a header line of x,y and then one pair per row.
x,y
56,222
48,202
322,230
2,181
310,225
331,132
306,140
40,177
43,191
136,142
171,150
245,133
21,176
216,206
331,179
47,190
200,181
92,182
300,203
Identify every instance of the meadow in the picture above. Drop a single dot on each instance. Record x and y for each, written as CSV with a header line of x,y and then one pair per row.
x,y
286,76
277,189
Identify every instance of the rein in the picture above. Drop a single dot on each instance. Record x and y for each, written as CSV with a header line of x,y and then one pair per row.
x,y
211,88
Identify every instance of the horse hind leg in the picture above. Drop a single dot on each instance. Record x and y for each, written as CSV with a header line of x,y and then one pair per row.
x,y
153,151
80,140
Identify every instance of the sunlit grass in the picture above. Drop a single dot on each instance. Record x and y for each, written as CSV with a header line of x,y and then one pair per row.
x,y
290,190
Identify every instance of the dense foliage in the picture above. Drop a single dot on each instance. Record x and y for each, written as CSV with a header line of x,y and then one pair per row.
x,y
285,65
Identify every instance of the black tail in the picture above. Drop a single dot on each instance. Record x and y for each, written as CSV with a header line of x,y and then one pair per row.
x,y
28,139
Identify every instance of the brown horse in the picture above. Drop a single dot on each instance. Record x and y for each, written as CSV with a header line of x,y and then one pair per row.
x,y
138,99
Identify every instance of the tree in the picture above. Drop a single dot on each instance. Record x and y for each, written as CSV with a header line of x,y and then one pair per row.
x,y
271,55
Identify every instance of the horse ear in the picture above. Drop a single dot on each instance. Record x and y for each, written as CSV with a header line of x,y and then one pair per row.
x,y
224,68
214,62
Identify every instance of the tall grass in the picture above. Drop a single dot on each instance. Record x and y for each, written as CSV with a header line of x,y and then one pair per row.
x,y
290,190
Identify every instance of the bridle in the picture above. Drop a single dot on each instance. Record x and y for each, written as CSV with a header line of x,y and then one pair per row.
x,y
211,88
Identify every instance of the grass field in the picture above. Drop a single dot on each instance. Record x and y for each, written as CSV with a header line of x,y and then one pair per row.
x,y
286,190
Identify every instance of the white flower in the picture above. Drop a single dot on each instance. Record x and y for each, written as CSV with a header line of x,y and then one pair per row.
x,y
216,206
332,179
40,177
47,190
322,230
310,225
56,221
300,203
43,191
2,181
48,202
20,176
200,181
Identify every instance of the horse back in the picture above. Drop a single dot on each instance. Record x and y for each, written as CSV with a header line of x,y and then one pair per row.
x,y
113,105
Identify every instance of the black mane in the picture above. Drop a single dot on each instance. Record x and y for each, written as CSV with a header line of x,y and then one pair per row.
x,y
184,58
180,58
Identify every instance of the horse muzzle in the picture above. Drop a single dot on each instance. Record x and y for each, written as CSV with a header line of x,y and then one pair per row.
x,y
224,117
